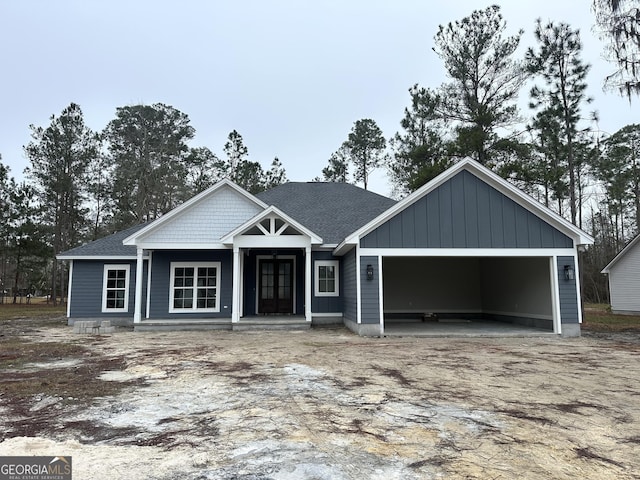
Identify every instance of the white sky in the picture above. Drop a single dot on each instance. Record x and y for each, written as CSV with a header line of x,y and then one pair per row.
x,y
290,76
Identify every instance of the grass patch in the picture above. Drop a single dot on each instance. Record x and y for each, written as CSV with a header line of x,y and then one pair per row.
x,y
598,318
36,309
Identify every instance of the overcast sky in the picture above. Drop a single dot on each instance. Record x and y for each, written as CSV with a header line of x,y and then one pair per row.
x,y
290,76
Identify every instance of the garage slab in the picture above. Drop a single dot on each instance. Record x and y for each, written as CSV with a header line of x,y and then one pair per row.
x,y
466,328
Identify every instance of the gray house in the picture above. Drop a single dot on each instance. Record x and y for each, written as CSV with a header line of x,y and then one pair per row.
x,y
624,279
467,245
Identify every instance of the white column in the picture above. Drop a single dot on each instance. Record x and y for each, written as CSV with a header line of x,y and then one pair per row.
x,y
308,288
137,309
235,307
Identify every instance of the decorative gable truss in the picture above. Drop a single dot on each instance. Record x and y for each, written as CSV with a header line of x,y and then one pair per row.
x,y
271,228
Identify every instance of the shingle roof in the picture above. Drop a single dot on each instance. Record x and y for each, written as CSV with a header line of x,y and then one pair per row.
x,y
110,246
331,210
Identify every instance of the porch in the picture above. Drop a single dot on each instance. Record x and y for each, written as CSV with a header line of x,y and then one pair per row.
x,y
244,324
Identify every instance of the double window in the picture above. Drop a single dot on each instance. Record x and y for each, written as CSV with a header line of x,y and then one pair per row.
x,y
195,287
327,278
115,288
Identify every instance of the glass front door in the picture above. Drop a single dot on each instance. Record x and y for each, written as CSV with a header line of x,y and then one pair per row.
x,y
275,286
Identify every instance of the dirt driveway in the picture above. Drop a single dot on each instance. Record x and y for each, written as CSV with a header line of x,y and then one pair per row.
x,y
323,404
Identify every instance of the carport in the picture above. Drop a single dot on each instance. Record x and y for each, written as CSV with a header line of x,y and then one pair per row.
x,y
468,295
469,248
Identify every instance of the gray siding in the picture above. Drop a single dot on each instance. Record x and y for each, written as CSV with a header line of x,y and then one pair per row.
x,y
86,293
349,286
370,291
624,281
325,304
465,212
161,274
568,293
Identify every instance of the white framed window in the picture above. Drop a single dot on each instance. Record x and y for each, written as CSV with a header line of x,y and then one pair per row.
x,y
194,287
115,288
327,278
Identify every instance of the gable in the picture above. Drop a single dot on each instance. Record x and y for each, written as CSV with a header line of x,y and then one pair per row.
x,y
206,221
465,212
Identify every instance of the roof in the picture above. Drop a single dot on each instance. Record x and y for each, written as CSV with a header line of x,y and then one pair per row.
x,y
489,177
621,254
331,210
110,246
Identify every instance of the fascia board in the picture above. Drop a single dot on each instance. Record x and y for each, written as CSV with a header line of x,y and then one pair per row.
x,y
228,238
511,191
99,257
132,239
620,254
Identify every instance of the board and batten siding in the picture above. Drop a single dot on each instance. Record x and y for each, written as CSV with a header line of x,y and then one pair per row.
x,y
465,212
568,294
87,286
349,286
624,282
161,275
370,290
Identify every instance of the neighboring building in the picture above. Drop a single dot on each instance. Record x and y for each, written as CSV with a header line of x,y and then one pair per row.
x,y
467,245
624,279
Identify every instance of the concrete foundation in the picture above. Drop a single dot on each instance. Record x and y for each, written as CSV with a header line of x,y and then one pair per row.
x,y
95,327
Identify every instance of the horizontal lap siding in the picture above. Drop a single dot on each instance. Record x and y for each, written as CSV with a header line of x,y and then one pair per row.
x,y
465,212
161,274
567,290
349,286
624,281
370,292
87,285
325,304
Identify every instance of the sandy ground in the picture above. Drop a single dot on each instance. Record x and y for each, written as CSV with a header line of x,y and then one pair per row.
x,y
326,404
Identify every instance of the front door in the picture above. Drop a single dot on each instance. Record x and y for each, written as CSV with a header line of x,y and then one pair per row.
x,y
275,286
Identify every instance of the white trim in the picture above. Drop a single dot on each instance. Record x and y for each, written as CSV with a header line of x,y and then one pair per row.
x,y
127,279
576,269
195,265
484,174
293,279
182,246
330,314
316,283
69,289
307,284
106,258
237,287
134,239
137,308
358,288
148,306
555,296
271,213
620,254
381,294
466,252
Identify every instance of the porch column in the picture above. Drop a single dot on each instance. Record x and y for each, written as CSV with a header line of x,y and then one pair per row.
x,y
235,306
308,288
137,308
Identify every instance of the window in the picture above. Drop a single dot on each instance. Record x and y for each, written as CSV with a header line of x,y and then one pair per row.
x,y
194,287
115,288
327,278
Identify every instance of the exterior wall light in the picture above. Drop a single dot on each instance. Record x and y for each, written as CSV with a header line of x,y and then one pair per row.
x,y
369,272
569,272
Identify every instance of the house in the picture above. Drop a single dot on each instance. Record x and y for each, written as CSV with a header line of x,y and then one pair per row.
x,y
466,245
624,279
